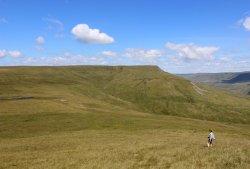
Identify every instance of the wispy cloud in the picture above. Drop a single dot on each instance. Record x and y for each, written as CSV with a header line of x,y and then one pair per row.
x,y
191,52
142,55
40,41
171,59
3,20
246,23
67,58
55,25
11,53
109,53
84,34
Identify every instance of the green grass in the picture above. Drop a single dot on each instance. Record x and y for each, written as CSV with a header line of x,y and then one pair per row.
x,y
118,140
141,88
117,117
27,125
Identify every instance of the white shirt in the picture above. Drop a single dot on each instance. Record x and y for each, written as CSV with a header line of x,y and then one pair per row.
x,y
211,136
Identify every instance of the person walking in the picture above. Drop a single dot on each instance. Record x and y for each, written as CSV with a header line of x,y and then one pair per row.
x,y
211,138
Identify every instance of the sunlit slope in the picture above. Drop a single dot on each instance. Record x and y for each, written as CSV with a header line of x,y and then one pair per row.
x,y
115,89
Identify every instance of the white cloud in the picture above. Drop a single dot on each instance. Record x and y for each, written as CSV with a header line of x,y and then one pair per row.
x,y
15,53
108,53
38,47
3,53
145,56
246,23
84,34
12,53
56,26
3,20
193,52
40,40
225,59
67,58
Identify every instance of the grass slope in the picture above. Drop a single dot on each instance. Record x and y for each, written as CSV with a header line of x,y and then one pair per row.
x,y
140,88
117,117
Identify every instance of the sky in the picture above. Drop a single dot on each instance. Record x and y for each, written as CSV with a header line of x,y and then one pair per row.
x,y
179,36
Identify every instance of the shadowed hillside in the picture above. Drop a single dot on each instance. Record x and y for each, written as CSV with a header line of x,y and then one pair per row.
x,y
241,78
232,82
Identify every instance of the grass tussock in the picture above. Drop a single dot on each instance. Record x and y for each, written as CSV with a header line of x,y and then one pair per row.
x,y
128,150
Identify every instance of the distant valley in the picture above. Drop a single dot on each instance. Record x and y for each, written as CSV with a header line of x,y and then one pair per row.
x,y
238,82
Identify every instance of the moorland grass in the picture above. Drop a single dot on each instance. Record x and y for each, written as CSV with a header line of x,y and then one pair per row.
x,y
117,117
115,148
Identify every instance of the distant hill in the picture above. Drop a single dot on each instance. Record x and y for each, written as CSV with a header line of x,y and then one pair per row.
x,y
239,78
108,88
238,82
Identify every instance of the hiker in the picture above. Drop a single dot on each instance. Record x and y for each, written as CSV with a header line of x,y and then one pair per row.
x,y
211,138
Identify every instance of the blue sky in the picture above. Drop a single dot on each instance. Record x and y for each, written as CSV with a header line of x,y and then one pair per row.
x,y
180,37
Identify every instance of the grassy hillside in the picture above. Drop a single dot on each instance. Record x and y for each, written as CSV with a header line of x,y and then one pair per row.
x,y
140,88
233,82
106,140
117,117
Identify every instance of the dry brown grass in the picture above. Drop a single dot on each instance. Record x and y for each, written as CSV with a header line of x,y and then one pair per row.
x,y
119,149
